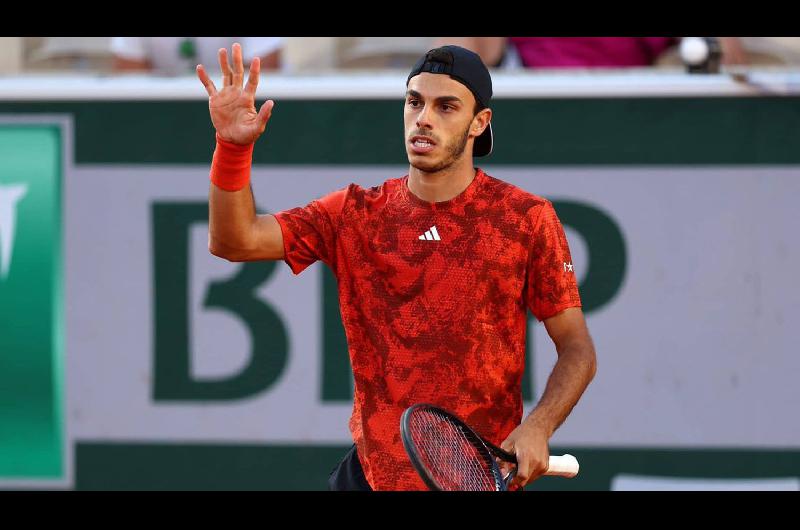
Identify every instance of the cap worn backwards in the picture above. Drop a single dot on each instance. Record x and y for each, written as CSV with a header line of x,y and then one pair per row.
x,y
467,68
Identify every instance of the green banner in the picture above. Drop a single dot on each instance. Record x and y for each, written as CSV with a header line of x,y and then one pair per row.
x,y
573,132
31,392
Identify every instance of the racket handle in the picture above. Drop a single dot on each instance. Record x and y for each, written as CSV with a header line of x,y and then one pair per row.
x,y
563,466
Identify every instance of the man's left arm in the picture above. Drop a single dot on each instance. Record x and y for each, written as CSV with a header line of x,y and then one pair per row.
x,y
572,373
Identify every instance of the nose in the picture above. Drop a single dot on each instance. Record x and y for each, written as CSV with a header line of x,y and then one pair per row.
x,y
423,118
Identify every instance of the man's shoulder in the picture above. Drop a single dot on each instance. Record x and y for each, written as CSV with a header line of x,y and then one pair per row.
x,y
357,198
511,196
357,192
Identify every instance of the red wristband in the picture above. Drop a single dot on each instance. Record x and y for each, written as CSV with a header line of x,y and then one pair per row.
x,y
230,167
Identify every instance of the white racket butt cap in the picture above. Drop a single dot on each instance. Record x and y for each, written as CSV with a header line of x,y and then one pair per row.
x,y
563,466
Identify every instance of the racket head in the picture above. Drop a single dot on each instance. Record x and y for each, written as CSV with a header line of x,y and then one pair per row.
x,y
446,452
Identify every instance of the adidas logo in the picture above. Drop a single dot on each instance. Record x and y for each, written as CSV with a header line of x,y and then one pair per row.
x,y
431,235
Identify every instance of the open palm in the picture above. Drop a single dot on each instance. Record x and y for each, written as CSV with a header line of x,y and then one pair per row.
x,y
233,110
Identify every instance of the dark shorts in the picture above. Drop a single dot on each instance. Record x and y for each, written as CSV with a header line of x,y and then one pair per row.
x,y
348,475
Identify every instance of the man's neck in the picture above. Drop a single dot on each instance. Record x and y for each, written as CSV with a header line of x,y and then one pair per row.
x,y
442,185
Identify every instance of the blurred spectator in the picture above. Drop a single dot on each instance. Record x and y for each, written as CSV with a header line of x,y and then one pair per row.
x,y
752,51
772,50
566,52
67,54
590,52
308,54
582,52
10,55
492,50
175,56
380,52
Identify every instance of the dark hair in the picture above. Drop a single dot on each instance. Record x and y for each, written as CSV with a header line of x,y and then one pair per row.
x,y
478,108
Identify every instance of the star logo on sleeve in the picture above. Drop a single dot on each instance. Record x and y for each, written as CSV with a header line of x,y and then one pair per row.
x,y
568,267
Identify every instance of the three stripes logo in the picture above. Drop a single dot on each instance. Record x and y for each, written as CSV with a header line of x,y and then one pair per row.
x,y
431,235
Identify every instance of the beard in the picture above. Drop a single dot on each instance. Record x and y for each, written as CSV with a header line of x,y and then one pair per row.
x,y
454,149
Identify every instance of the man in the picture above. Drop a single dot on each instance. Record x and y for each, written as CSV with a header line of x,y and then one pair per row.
x,y
435,271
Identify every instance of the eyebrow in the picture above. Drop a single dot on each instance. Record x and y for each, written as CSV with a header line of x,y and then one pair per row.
x,y
440,99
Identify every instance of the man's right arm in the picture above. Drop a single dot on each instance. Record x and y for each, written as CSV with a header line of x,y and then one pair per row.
x,y
236,233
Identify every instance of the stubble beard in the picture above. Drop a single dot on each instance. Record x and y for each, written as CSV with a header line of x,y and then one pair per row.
x,y
454,152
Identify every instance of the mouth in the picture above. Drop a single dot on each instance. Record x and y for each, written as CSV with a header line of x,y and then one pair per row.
x,y
421,144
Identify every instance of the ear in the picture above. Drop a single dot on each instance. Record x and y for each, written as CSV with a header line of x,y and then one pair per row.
x,y
480,122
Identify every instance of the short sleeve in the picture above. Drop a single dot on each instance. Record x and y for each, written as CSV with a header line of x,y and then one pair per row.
x,y
551,285
309,232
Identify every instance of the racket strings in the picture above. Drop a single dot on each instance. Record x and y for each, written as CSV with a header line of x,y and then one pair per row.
x,y
454,456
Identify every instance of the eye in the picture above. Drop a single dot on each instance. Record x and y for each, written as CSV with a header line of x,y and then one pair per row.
x,y
447,107
413,103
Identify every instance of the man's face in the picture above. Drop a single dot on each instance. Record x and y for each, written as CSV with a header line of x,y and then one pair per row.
x,y
438,116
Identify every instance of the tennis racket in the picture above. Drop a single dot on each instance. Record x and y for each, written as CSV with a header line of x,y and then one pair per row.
x,y
450,456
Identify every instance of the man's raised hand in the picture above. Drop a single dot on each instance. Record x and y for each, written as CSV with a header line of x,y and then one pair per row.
x,y
233,110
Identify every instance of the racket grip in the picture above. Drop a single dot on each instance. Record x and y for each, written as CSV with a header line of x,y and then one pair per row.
x,y
563,466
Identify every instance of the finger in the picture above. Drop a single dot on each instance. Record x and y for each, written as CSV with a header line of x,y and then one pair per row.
x,y
505,466
206,80
238,66
227,75
265,112
506,469
533,469
523,472
252,80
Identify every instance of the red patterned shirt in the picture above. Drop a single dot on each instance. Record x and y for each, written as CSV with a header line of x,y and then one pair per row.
x,y
433,298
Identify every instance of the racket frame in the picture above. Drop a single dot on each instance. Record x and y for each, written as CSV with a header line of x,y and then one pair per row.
x,y
486,448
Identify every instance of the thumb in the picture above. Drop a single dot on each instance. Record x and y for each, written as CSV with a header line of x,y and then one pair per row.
x,y
505,466
265,112
508,445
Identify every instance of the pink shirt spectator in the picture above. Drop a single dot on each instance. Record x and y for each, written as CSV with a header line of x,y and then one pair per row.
x,y
588,52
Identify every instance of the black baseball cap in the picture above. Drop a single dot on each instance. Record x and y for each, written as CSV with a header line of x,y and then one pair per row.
x,y
467,68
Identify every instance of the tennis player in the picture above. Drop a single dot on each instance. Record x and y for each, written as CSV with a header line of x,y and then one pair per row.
x,y
436,270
